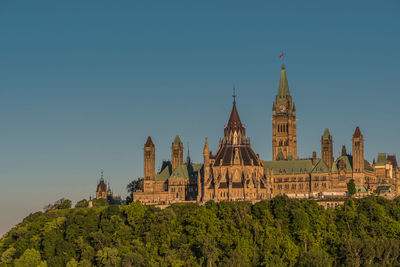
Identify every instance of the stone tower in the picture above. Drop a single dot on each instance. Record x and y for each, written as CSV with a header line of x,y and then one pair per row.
x,y
206,156
358,151
284,122
326,148
177,153
149,160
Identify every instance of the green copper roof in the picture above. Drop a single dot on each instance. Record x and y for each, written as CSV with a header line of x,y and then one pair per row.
x,y
348,162
177,141
186,171
289,166
381,159
163,175
182,171
326,134
320,167
283,90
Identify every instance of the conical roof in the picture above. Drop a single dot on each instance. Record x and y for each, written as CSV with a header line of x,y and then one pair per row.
x,y
283,90
234,122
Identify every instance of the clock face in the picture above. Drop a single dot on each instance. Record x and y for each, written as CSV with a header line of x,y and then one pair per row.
x,y
282,108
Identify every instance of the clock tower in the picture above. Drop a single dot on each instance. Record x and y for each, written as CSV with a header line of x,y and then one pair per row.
x,y
284,140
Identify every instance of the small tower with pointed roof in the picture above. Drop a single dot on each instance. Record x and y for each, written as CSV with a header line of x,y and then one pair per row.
x,y
101,191
327,148
284,137
149,160
358,151
177,153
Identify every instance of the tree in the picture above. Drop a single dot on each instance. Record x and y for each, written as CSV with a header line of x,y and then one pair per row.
x,y
7,256
30,258
101,202
108,257
82,204
66,204
134,185
72,263
351,187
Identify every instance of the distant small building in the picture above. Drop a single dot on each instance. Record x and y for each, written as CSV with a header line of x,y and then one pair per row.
x,y
101,191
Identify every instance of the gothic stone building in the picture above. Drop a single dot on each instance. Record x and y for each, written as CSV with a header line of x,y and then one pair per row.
x,y
236,172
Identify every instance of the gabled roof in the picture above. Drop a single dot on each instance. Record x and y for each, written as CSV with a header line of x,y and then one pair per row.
x,y
297,166
320,167
164,174
283,90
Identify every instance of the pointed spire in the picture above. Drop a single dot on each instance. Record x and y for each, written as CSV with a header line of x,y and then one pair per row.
x,y
101,176
357,132
294,107
234,95
149,142
234,122
206,146
283,90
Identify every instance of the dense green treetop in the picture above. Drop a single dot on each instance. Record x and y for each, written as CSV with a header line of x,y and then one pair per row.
x,y
278,232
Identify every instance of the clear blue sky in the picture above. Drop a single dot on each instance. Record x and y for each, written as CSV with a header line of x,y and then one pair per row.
x,y
83,83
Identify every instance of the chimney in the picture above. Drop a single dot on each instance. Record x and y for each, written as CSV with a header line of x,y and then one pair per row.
x,y
314,158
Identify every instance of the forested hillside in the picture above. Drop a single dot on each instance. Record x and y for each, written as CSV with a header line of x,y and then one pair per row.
x,y
279,232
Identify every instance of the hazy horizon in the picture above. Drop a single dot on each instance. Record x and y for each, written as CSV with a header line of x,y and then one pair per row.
x,y
82,85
